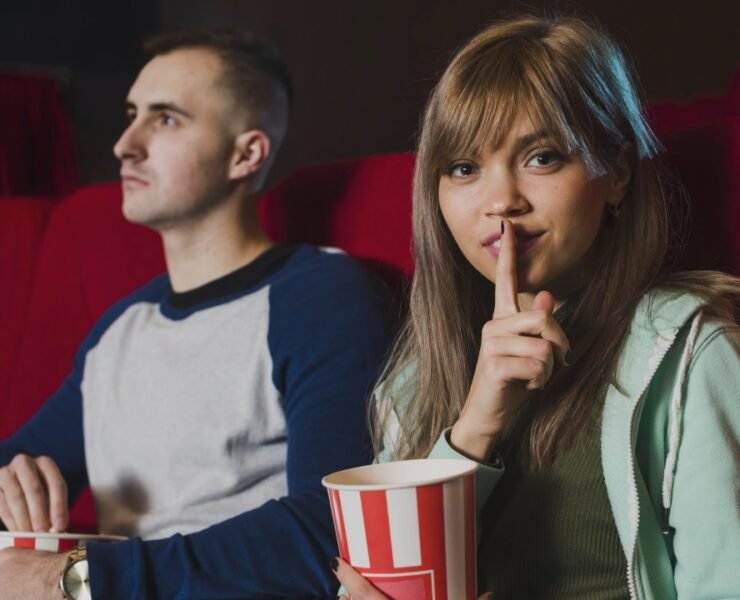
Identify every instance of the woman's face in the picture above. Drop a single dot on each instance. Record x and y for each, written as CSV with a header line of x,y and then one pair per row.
x,y
554,201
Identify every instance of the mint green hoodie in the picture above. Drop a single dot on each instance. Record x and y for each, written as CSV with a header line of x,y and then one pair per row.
x,y
670,446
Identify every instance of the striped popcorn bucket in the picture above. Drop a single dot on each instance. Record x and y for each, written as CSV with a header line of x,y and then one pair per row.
x,y
409,526
50,542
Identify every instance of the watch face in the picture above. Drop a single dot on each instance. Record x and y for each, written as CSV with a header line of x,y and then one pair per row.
x,y
77,581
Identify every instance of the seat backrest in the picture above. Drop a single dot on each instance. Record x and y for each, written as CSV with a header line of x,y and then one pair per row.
x,y
90,256
22,223
704,157
362,206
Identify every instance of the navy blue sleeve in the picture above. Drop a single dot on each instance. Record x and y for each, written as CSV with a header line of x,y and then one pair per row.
x,y
330,327
56,431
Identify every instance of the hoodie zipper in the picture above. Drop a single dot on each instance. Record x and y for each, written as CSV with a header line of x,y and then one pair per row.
x,y
664,345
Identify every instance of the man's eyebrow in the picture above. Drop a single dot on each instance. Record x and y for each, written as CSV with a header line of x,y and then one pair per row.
x,y
158,107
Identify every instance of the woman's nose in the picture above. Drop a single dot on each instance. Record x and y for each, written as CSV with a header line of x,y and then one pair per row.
x,y
503,195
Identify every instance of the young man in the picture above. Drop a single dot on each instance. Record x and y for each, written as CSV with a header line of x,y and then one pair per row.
x,y
204,408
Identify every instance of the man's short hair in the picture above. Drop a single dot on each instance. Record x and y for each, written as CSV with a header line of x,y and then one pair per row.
x,y
253,69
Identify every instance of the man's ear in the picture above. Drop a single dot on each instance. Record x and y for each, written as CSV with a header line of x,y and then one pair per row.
x,y
251,150
622,174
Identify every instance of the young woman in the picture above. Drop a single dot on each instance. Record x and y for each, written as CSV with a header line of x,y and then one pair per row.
x,y
547,334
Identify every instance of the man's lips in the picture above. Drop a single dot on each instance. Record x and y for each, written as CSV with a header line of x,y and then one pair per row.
x,y
524,242
131,180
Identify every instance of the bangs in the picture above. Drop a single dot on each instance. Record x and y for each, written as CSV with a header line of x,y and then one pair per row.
x,y
477,103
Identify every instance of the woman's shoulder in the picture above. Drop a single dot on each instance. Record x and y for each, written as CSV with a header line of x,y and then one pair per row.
x,y
397,388
664,309
663,312
392,397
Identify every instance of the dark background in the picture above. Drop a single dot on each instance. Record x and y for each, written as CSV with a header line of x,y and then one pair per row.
x,y
362,69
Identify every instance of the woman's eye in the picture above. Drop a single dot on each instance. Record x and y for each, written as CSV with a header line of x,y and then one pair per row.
x,y
461,170
545,158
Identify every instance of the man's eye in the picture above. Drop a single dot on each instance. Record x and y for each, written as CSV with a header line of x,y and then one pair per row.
x,y
167,120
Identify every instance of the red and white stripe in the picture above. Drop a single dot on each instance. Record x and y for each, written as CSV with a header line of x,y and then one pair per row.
x,y
49,544
412,543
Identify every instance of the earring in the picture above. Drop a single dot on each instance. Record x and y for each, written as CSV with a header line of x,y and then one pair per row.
x,y
615,209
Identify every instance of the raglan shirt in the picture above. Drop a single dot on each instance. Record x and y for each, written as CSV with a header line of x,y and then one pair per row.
x,y
204,422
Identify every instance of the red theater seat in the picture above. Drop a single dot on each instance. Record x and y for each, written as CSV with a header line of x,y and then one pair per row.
x,y
705,158
22,222
362,206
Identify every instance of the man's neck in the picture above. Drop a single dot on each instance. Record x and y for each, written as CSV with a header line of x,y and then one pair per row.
x,y
216,245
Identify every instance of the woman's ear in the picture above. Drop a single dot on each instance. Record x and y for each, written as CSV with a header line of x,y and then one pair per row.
x,y
622,174
251,150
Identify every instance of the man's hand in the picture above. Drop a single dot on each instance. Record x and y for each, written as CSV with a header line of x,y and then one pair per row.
x,y
30,574
33,495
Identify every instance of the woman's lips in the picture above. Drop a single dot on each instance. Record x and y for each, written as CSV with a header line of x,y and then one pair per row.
x,y
524,243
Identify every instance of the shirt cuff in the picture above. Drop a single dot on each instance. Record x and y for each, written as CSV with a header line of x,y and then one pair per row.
x,y
487,475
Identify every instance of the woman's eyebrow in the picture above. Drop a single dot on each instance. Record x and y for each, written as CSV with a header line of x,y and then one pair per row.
x,y
530,138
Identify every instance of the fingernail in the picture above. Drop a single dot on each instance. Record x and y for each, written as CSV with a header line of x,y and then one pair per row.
x,y
568,358
502,227
334,564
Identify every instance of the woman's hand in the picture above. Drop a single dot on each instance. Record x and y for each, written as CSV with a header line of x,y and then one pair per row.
x,y
360,588
517,355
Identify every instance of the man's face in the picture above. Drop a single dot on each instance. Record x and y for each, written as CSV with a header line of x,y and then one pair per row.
x,y
176,150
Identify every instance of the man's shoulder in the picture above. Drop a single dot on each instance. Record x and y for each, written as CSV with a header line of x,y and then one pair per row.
x,y
325,271
152,292
324,287
308,258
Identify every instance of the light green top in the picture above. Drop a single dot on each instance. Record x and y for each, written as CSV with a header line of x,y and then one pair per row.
x,y
670,450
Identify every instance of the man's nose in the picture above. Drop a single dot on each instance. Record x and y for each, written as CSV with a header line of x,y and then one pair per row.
x,y
131,144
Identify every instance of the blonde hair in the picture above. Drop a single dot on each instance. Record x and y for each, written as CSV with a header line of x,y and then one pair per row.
x,y
572,81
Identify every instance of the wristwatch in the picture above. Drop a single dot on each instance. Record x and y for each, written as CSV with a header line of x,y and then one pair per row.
x,y
75,581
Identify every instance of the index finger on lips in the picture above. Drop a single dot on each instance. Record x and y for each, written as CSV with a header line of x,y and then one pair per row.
x,y
57,489
356,584
539,323
506,281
